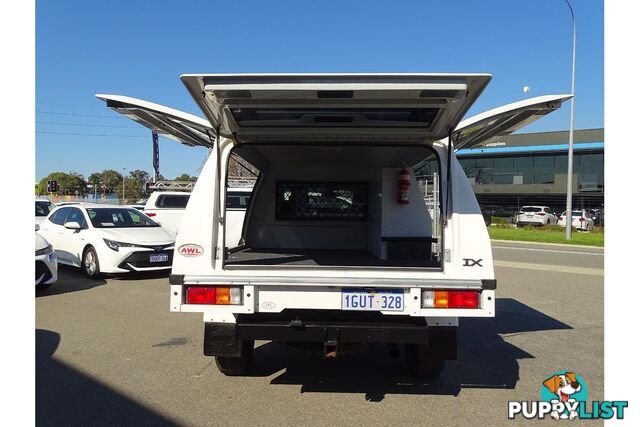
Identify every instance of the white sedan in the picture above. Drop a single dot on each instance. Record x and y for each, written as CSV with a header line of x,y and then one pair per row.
x,y
46,263
108,239
580,220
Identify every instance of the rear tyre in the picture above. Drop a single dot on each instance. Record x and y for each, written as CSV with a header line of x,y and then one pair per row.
x,y
421,363
90,264
235,366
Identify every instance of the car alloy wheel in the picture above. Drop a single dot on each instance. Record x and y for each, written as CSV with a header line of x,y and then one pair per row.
x,y
90,263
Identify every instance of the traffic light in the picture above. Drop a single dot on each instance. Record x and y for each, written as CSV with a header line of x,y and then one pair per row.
x,y
52,186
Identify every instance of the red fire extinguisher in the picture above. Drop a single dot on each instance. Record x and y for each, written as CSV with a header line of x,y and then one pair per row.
x,y
403,187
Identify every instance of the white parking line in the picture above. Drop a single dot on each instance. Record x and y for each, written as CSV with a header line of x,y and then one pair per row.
x,y
547,250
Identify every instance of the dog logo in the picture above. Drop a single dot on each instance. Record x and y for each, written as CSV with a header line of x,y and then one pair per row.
x,y
565,388
563,396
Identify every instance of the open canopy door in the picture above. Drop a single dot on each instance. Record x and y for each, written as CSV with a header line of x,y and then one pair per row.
x,y
338,107
504,120
180,126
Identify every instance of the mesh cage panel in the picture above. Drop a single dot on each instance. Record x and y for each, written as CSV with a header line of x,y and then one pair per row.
x,y
321,201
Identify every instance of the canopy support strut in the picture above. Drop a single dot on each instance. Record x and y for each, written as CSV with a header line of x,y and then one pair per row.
x,y
448,201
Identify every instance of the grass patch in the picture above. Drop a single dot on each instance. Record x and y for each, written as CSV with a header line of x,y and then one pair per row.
x,y
547,234
499,220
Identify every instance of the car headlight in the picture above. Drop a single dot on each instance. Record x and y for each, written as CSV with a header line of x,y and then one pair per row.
x,y
112,244
44,251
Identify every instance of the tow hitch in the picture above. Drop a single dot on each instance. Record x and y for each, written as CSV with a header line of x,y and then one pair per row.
x,y
330,349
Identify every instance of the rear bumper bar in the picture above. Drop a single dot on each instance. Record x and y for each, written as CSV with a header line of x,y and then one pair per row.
x,y
327,327
346,331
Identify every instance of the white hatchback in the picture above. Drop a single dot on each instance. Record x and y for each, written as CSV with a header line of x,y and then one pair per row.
x,y
108,239
535,215
580,220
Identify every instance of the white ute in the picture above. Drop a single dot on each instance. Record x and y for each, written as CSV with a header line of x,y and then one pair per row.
x,y
167,208
338,247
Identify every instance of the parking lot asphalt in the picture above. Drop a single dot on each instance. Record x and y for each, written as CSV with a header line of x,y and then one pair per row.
x,y
110,352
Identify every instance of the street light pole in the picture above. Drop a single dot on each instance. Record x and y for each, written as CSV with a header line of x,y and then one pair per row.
x,y
569,219
123,174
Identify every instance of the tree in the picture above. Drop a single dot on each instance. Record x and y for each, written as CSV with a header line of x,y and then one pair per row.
x,y
110,179
134,185
71,183
107,180
139,176
186,177
94,178
132,191
241,168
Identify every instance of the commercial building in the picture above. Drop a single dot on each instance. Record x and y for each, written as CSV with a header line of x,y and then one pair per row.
x,y
510,171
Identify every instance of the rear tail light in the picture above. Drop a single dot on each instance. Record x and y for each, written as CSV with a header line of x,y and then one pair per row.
x,y
540,213
214,295
449,299
149,214
581,220
561,217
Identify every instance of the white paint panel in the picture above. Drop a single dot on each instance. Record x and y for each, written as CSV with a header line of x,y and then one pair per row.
x,y
275,299
411,220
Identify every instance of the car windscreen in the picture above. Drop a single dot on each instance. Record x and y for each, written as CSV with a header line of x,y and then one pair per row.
x,y
530,209
119,218
43,208
576,213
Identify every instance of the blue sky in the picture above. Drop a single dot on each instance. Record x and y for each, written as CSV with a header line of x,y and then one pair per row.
x,y
141,48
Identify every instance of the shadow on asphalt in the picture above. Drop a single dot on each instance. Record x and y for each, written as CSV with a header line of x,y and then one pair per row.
x,y
65,396
485,360
141,275
72,279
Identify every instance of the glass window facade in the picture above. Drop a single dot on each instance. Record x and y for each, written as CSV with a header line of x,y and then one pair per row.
x,y
530,169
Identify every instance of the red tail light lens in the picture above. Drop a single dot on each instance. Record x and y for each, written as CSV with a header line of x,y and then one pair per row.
x,y
150,214
214,295
452,299
201,295
561,218
540,213
581,219
463,299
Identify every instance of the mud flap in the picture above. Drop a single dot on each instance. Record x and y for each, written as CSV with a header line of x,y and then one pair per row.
x,y
221,339
443,342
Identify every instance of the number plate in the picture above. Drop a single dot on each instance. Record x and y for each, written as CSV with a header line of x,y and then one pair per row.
x,y
158,257
369,299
